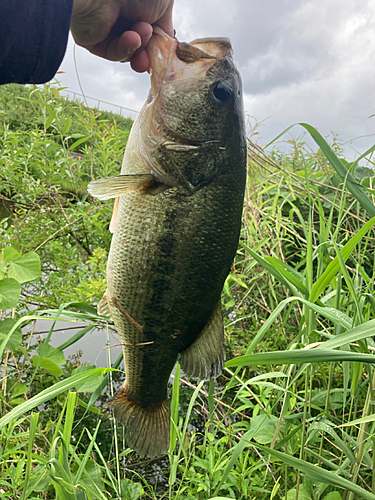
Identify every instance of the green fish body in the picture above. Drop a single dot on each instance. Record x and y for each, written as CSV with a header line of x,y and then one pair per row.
x,y
176,232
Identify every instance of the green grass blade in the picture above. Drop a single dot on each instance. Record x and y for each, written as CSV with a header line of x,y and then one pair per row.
x,y
174,409
349,284
86,456
189,410
33,427
358,333
337,317
318,474
341,445
359,421
103,384
299,356
187,417
74,338
211,400
52,392
363,155
20,321
356,189
278,271
67,431
237,450
332,269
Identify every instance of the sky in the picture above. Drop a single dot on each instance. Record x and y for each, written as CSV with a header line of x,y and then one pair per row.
x,y
300,61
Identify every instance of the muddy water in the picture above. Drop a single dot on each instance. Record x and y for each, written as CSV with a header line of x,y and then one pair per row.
x,y
90,348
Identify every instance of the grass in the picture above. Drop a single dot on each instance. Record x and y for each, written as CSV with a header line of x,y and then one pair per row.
x,y
292,415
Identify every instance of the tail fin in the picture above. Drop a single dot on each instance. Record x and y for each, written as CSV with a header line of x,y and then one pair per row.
x,y
147,429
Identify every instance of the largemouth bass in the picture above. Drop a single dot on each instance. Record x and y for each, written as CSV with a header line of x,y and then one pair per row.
x,y
176,230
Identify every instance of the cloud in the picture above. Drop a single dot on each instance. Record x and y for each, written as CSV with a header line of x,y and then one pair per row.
x,y
299,61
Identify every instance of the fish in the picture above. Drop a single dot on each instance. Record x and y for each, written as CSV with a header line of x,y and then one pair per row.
x,y
176,226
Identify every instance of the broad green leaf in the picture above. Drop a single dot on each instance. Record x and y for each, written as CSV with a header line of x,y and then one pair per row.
x,y
265,427
10,292
18,389
10,254
3,269
47,364
25,268
303,494
16,338
131,490
51,117
67,125
53,353
334,495
78,142
51,392
93,473
299,356
84,307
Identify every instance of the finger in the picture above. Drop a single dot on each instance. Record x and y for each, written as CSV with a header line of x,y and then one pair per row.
x,y
119,48
165,22
140,62
125,46
144,30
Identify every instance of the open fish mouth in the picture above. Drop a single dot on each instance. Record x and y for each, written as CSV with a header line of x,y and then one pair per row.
x,y
172,60
184,65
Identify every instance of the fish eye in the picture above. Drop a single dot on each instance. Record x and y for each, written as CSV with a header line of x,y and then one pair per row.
x,y
222,91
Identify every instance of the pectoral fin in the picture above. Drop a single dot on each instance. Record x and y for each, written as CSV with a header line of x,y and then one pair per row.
x,y
104,309
112,187
205,358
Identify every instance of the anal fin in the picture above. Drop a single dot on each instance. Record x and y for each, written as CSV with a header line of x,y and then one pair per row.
x,y
111,187
205,358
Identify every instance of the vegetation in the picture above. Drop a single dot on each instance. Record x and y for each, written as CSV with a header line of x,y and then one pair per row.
x,y
292,416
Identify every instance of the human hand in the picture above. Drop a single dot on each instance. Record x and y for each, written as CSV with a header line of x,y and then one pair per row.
x,y
119,30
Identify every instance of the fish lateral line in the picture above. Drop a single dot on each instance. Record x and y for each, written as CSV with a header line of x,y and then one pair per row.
x,y
115,302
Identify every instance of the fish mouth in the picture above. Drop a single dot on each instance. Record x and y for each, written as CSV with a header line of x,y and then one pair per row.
x,y
172,60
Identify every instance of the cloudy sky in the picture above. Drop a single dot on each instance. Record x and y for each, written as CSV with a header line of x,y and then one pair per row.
x,y
300,61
